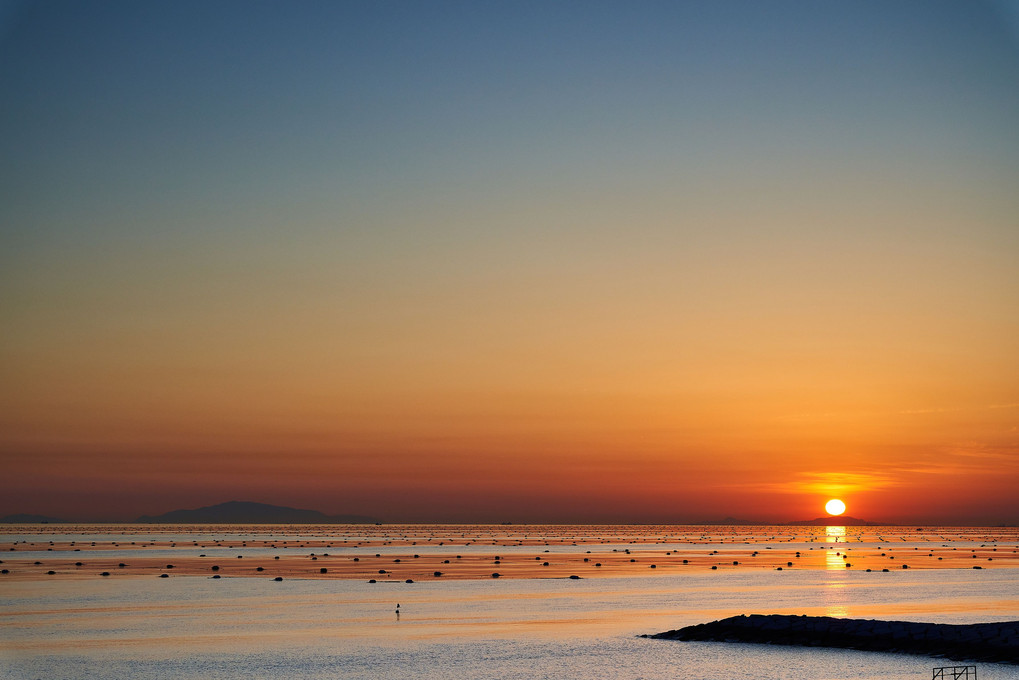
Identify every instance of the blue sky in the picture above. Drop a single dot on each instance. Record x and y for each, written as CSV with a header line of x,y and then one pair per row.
x,y
523,230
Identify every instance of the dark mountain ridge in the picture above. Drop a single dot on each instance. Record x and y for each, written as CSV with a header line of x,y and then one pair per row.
x,y
247,512
836,521
25,518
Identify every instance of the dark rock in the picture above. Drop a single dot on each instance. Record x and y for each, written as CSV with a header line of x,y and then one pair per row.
x,y
993,642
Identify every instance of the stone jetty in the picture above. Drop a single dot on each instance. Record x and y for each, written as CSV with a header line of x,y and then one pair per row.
x,y
996,642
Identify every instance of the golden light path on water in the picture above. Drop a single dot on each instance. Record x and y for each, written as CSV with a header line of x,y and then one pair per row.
x,y
835,559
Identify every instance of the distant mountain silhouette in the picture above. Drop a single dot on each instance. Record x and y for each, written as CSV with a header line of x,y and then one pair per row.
x,y
736,521
244,512
22,518
837,521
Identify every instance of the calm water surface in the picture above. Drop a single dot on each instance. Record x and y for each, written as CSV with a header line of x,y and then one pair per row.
x,y
196,627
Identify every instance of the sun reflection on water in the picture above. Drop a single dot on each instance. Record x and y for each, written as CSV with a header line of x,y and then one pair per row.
x,y
837,610
835,560
835,534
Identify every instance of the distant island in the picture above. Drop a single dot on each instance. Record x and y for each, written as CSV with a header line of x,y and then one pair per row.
x,y
831,521
231,512
246,512
23,518
836,521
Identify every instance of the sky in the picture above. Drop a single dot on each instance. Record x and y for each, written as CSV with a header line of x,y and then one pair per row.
x,y
491,261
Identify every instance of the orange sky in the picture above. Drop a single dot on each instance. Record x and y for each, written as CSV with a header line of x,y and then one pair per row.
x,y
672,265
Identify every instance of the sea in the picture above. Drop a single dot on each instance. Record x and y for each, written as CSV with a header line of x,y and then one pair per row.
x,y
197,627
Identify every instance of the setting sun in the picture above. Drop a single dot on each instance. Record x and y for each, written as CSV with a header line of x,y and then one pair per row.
x,y
835,507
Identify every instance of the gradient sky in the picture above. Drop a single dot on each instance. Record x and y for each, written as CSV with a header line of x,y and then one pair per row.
x,y
511,261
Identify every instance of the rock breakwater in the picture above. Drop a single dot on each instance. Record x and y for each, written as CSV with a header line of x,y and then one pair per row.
x,y
996,642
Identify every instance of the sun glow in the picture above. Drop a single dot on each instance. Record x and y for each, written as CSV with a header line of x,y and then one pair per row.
x,y
835,507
